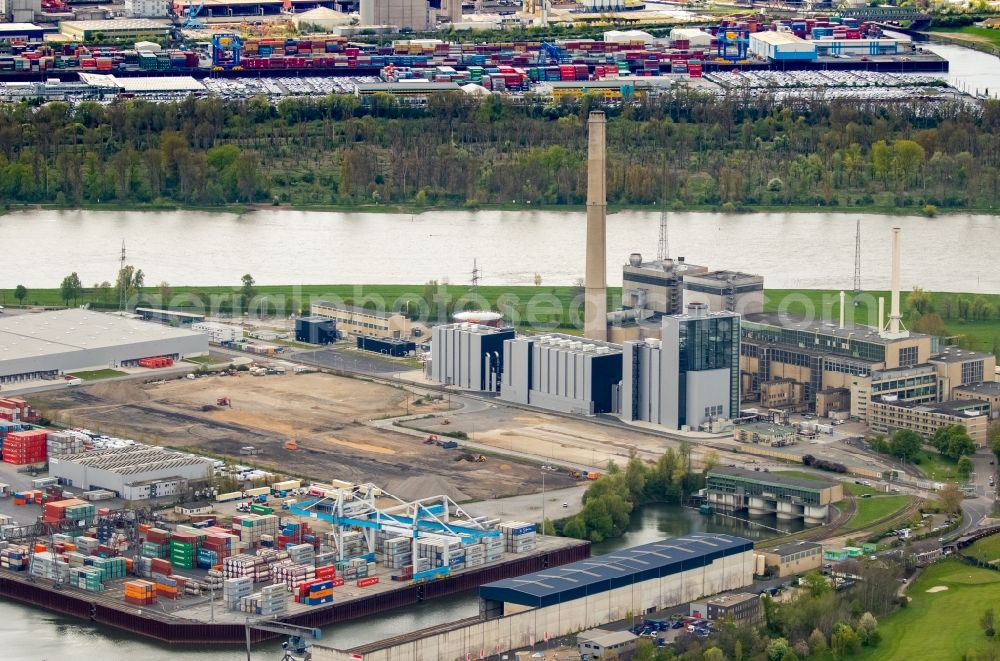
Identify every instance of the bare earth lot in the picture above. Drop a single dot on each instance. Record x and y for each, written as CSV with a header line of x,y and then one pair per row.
x,y
324,414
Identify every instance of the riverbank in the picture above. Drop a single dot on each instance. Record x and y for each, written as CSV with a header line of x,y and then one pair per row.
x,y
983,40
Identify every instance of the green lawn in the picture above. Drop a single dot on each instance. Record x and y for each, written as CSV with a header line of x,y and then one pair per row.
x,y
875,508
936,467
972,33
942,625
207,360
982,335
987,549
97,375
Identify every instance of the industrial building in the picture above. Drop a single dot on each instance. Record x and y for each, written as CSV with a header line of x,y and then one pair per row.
x,y
886,416
657,286
688,378
595,279
561,373
733,291
778,46
135,468
386,346
22,31
48,344
760,494
604,644
988,392
412,14
219,333
741,608
468,355
170,317
128,28
636,580
957,367
315,330
789,559
353,320
763,433
917,384
147,8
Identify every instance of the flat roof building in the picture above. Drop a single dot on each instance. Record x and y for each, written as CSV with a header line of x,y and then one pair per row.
x,y
561,373
961,367
790,558
22,32
170,317
600,643
730,291
886,416
737,489
468,355
688,378
988,391
741,608
764,433
917,384
657,286
51,343
354,320
122,28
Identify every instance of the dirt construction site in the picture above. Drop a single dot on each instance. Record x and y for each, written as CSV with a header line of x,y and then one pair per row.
x,y
324,415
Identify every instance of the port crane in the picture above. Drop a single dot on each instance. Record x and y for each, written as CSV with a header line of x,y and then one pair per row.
x,y
297,646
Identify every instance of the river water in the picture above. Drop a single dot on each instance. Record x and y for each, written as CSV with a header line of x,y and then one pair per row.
x,y
284,247
30,634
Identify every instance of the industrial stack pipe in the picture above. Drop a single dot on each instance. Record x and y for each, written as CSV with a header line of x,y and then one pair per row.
x,y
894,329
842,297
595,309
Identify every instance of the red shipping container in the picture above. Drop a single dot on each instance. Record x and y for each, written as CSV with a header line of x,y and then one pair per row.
x,y
365,582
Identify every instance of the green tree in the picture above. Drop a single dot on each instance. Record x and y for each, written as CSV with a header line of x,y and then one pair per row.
x,y
70,288
247,290
817,642
965,467
919,301
738,650
713,654
905,444
815,584
20,293
777,648
950,498
994,434
575,528
844,641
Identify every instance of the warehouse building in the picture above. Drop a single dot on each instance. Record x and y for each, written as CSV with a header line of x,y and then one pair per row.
x,y
789,559
737,489
636,580
730,291
689,378
886,416
469,356
562,373
362,321
604,644
134,469
22,31
48,344
988,392
170,317
386,346
125,28
781,46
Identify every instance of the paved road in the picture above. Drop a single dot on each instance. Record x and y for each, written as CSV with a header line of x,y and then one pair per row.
x,y
529,507
974,510
351,361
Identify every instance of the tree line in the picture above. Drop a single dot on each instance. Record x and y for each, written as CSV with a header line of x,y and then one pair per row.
x,y
681,149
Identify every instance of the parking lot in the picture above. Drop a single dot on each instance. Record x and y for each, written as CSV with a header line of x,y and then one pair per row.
x,y
238,88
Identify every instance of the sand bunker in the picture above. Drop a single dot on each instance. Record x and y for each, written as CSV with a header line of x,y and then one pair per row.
x,y
938,588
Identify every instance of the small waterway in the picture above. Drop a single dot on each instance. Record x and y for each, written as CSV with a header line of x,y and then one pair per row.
x,y
30,634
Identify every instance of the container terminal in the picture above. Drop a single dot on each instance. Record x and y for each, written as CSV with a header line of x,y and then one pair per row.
x,y
339,551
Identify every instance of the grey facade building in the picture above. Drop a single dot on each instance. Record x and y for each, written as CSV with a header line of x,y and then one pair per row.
x,y
656,286
729,291
470,356
689,377
33,346
562,373
114,469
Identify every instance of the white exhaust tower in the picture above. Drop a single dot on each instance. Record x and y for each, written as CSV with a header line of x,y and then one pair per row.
x,y
894,329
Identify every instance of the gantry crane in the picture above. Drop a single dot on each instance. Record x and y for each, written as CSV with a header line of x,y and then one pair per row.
x,y
297,646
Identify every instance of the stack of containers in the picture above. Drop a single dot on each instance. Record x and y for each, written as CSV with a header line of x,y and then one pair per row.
x,y
25,447
166,586
14,557
295,533
65,442
494,548
397,552
160,566
475,555
253,567
140,593
293,575
273,600
302,554
250,527
45,564
519,537
354,568
87,545
314,593
86,578
108,567
234,590
184,545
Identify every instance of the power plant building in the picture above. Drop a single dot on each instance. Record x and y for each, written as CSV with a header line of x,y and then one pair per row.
x,y
561,373
48,344
657,286
470,356
761,494
732,291
688,378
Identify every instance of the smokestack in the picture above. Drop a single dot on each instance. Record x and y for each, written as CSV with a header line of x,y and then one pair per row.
x,y
842,309
881,313
895,328
595,324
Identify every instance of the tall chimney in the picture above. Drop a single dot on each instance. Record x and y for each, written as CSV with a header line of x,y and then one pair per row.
x,y
595,323
842,309
881,313
895,329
